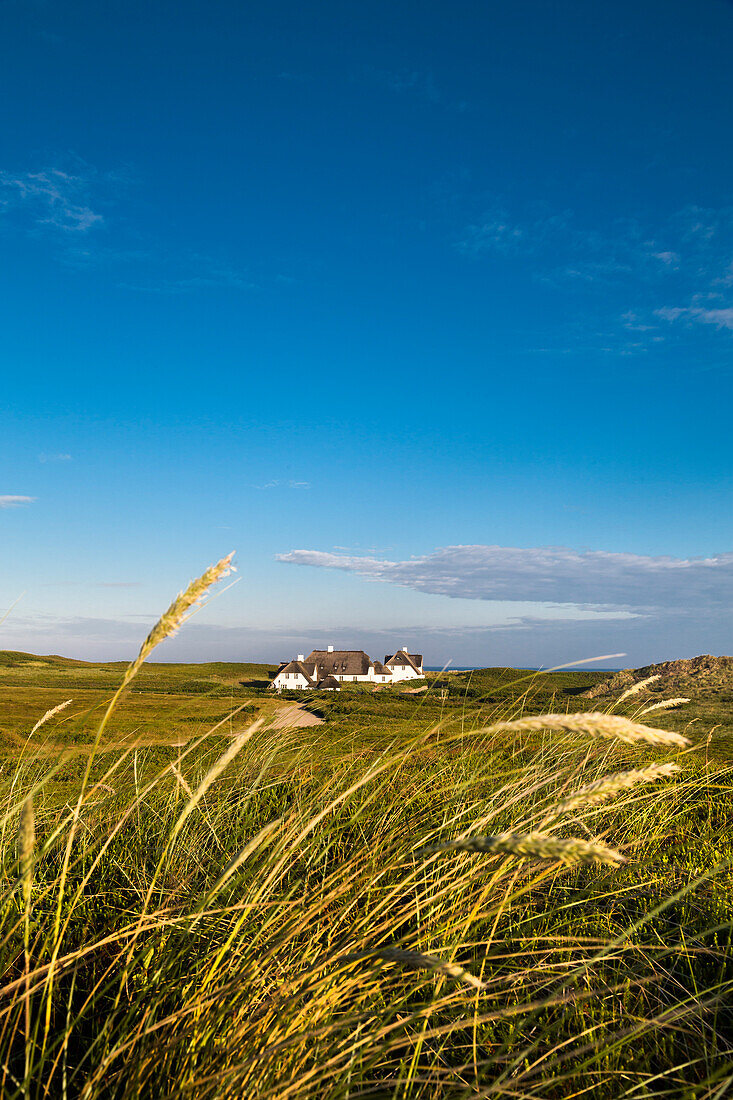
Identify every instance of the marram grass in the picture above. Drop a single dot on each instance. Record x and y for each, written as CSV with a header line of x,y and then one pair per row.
x,y
593,724
640,685
179,611
664,704
601,790
532,846
259,917
50,714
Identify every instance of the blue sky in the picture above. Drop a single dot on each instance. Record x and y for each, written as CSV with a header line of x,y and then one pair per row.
x,y
425,309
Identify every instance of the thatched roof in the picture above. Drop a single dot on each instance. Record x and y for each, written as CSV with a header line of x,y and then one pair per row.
x,y
402,657
329,683
299,666
341,662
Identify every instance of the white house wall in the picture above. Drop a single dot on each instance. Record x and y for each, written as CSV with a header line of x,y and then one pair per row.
x,y
284,681
408,673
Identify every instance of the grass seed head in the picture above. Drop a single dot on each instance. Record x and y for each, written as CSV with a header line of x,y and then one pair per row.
x,y
532,845
416,960
611,785
50,714
636,688
666,704
594,724
179,611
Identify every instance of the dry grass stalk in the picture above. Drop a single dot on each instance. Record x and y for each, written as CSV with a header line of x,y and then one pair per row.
x,y
665,704
603,789
213,774
168,624
26,848
181,779
178,612
241,857
636,688
594,724
532,845
50,714
27,854
416,960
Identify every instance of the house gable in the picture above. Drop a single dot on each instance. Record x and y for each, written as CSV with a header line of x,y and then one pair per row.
x,y
402,657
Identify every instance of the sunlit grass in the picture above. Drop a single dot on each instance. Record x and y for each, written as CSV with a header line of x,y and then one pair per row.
x,y
530,908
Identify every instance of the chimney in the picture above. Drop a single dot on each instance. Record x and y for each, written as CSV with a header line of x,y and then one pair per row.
x,y
330,649
301,656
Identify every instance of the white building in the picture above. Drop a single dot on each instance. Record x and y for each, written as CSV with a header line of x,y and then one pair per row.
x,y
327,669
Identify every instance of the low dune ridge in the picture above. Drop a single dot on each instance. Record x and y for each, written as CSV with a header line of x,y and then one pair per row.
x,y
684,675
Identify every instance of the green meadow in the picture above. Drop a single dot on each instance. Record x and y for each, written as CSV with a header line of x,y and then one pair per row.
x,y
494,887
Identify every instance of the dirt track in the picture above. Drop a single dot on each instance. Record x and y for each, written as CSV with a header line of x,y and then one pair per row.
x,y
293,716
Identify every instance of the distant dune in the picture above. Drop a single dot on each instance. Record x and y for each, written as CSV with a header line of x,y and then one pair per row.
x,y
675,677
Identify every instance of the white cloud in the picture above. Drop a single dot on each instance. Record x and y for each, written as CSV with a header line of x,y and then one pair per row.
x,y
671,259
559,246
276,483
687,253
634,323
720,317
43,457
50,197
556,575
14,501
492,233
723,318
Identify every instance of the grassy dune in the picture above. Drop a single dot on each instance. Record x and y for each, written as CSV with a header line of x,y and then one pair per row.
x,y
426,896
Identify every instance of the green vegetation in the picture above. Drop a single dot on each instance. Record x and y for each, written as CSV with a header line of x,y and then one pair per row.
x,y
420,897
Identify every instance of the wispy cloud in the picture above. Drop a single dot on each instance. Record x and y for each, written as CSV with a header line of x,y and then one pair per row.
x,y
43,457
194,273
119,584
687,254
12,500
561,251
494,232
411,81
630,582
634,323
669,259
277,484
69,201
722,318
700,261
525,642
51,198
147,268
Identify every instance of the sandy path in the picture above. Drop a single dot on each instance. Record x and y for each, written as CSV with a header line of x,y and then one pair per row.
x,y
294,715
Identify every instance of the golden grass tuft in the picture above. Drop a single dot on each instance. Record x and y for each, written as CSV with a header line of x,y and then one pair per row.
x,y
636,688
665,704
50,714
601,790
532,846
593,724
179,611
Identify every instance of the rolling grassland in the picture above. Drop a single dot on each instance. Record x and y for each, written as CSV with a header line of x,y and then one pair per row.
x,y
500,887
